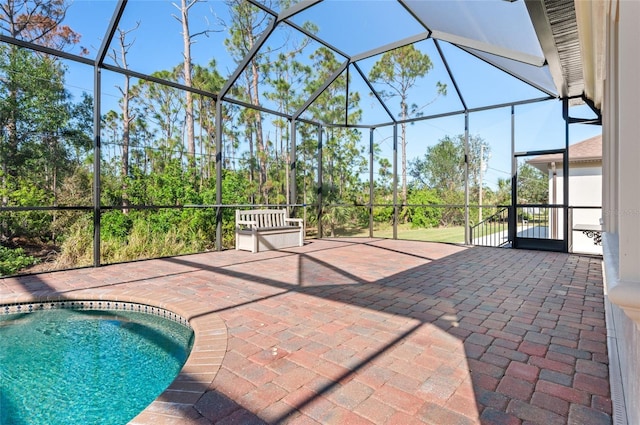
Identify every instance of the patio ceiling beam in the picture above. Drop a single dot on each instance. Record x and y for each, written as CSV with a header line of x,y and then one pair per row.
x,y
445,114
248,58
321,89
47,50
156,80
287,14
504,105
453,80
489,48
317,39
374,91
297,8
111,30
410,11
391,46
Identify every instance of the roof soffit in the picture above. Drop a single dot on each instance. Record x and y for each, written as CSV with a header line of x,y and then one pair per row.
x,y
556,27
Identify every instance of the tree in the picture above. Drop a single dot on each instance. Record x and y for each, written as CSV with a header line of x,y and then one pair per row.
x,y
503,194
442,169
287,72
120,59
162,106
34,107
207,79
39,132
188,39
423,215
343,159
38,21
533,185
247,22
399,70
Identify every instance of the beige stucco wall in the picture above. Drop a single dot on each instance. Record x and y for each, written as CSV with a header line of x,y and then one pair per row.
x,y
585,190
621,196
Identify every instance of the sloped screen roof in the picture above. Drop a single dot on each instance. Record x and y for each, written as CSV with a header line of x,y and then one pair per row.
x,y
460,37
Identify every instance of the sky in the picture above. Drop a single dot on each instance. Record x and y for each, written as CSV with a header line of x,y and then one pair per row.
x,y
354,26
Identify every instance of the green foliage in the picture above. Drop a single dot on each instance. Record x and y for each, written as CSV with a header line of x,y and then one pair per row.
x,y
383,214
77,248
442,167
399,70
145,159
533,186
423,216
21,192
115,224
334,217
442,170
13,260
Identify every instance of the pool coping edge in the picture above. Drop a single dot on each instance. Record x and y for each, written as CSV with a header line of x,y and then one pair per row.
x,y
177,402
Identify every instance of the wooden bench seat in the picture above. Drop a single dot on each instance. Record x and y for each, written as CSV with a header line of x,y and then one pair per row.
x,y
266,229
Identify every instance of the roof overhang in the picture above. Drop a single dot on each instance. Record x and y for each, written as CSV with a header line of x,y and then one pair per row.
x,y
555,24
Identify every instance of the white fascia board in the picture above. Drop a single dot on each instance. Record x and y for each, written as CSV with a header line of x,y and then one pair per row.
x,y
488,48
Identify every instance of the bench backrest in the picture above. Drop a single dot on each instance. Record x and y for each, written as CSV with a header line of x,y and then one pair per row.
x,y
265,217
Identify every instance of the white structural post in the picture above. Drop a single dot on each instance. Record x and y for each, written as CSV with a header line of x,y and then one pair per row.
x,y
628,213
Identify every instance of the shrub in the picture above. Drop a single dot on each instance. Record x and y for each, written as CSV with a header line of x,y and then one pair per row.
x,y
115,224
13,260
423,216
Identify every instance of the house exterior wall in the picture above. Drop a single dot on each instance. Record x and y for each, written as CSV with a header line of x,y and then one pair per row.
x,y
585,190
621,195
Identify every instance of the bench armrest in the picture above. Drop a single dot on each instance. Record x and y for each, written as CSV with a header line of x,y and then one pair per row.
x,y
250,223
294,220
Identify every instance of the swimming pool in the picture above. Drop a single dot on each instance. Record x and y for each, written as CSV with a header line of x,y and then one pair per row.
x,y
86,366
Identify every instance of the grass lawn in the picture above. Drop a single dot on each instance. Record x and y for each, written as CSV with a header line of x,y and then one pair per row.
x,y
443,234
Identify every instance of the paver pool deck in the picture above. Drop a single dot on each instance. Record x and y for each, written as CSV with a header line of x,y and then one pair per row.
x,y
369,331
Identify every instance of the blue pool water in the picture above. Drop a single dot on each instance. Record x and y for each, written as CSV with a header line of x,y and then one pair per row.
x,y
86,367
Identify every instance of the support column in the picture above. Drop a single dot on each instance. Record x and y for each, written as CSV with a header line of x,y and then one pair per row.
x,y
514,182
319,186
467,236
395,181
97,93
565,179
371,191
293,163
218,174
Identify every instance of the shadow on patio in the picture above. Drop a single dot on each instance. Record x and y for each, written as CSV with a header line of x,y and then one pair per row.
x,y
381,331
346,331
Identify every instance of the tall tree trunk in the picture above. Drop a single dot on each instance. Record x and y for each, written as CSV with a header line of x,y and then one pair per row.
x,y
126,115
189,120
9,150
126,138
260,144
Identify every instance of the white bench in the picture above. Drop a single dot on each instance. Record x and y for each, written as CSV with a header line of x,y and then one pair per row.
x,y
265,229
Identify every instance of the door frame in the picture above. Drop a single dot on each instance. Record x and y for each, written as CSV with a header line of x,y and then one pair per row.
x,y
538,243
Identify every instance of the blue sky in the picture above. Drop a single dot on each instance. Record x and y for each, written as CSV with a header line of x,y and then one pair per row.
x,y
362,25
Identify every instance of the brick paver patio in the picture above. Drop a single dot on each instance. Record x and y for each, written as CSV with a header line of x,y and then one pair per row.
x,y
361,331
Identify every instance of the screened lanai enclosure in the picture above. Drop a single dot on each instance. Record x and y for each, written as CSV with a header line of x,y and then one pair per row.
x,y
135,129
